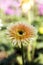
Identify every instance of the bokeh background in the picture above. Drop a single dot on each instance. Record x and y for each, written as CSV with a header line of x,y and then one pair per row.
x,y
12,11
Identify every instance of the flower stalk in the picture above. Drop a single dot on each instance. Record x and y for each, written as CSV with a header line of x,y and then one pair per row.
x,y
29,53
22,49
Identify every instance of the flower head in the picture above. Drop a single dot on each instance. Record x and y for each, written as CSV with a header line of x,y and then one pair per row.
x,y
41,30
11,7
27,5
21,32
4,4
10,11
39,6
40,9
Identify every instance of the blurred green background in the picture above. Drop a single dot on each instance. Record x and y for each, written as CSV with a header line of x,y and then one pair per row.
x,y
6,45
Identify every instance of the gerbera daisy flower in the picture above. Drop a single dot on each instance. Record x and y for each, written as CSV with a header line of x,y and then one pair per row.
x,y
20,32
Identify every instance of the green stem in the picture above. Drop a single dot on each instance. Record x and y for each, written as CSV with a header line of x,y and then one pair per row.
x,y
22,53
33,51
29,53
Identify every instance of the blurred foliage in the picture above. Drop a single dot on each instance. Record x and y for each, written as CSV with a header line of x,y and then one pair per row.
x,y
14,52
